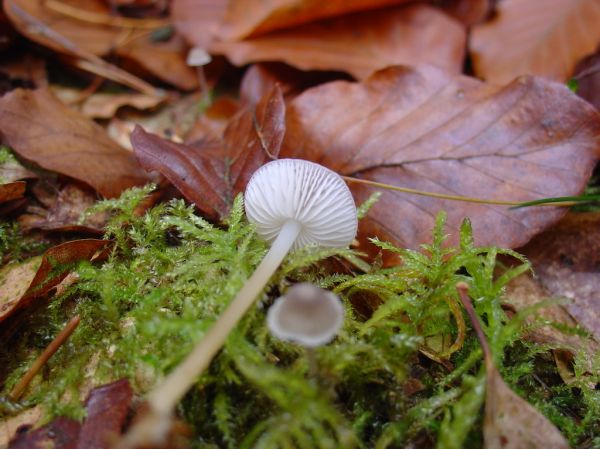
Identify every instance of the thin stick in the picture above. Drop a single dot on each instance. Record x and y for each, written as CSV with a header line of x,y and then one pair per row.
x,y
463,292
103,19
448,197
58,341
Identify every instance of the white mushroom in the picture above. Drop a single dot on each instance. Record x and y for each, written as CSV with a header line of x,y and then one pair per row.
x,y
292,203
307,315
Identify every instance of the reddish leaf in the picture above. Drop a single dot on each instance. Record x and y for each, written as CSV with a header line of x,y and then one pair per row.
x,y
566,259
253,17
21,284
211,175
198,20
427,130
43,130
107,408
360,43
540,37
62,433
468,12
12,191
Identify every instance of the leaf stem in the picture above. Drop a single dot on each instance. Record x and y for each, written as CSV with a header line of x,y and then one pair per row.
x,y
449,197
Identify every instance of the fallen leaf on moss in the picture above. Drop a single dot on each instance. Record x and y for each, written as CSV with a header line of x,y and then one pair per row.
x,y
510,422
21,283
212,173
107,407
566,260
360,43
62,433
539,37
41,129
427,130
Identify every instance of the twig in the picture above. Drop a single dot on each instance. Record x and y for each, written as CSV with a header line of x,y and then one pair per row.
x,y
449,197
58,341
103,19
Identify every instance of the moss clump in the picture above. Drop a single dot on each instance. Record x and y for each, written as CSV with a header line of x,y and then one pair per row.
x,y
170,275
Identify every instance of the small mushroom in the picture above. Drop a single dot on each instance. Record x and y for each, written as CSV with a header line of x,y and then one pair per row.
x,y
306,315
292,203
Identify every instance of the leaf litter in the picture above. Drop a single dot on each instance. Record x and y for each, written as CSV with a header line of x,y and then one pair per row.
x,y
405,370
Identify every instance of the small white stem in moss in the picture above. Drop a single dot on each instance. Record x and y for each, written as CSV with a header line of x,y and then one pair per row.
x,y
167,395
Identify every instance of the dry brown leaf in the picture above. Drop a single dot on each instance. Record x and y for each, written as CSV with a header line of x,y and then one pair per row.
x,y
468,12
213,172
588,79
72,35
105,106
566,260
65,212
62,433
12,191
360,43
424,129
512,423
198,20
539,37
21,283
25,419
41,129
253,17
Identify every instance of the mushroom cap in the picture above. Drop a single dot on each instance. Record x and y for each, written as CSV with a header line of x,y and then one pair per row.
x,y
314,196
307,315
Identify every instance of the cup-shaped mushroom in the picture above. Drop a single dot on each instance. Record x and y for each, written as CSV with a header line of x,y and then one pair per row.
x,y
306,315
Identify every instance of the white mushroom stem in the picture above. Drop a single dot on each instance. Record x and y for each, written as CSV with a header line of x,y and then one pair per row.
x,y
164,399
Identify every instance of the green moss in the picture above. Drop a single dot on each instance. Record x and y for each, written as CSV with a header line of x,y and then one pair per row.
x,y
170,275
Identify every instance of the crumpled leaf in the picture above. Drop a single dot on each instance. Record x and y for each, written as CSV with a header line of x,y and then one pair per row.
x,y
107,407
165,60
41,129
539,37
360,43
427,130
566,260
21,283
211,173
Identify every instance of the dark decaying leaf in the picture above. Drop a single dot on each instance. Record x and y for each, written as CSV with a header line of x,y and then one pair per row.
x,y
62,433
427,130
566,259
360,43
21,284
107,407
211,173
41,129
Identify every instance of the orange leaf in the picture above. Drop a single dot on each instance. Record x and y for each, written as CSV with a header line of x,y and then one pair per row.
x,y
41,129
12,191
539,37
360,43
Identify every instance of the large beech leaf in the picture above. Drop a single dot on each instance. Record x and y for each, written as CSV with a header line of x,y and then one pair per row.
x,y
211,173
540,37
246,17
41,129
427,130
360,43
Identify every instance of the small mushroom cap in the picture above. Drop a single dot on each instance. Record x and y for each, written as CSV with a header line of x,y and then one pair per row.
x,y
197,57
307,315
295,189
